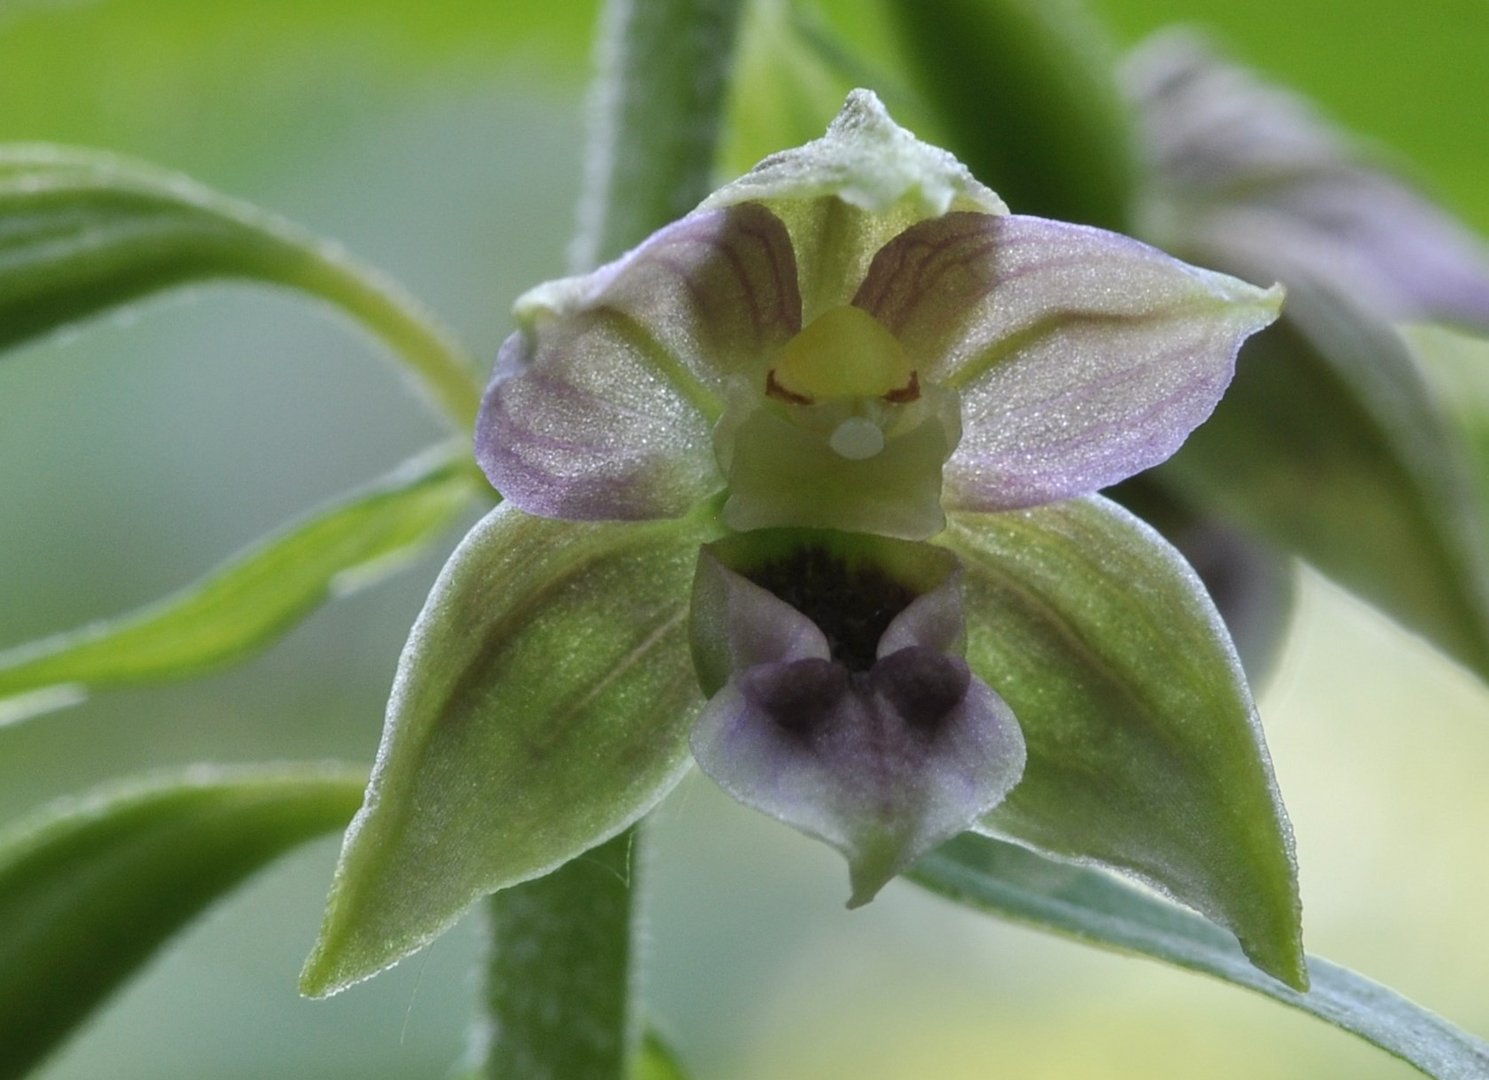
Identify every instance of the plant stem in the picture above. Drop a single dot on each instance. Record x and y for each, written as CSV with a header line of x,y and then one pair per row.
x,y
656,110
560,971
561,967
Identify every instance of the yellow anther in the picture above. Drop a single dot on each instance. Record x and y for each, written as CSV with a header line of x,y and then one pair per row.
x,y
844,352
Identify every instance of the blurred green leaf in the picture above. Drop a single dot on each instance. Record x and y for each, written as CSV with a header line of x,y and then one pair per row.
x,y
1145,752
657,1061
82,232
90,888
1027,93
167,75
1087,905
1457,369
542,704
1329,444
245,604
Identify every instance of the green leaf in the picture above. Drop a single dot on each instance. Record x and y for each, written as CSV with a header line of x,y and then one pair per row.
x,y
557,999
1027,92
1145,752
83,232
657,1061
246,603
1329,444
90,888
1015,883
542,704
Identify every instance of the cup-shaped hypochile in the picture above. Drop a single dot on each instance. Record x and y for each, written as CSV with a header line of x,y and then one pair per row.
x,y
840,703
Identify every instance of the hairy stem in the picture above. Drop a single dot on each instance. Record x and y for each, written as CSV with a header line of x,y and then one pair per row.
x,y
559,1001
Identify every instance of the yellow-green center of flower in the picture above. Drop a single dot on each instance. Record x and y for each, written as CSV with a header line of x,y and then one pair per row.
x,y
843,354
837,434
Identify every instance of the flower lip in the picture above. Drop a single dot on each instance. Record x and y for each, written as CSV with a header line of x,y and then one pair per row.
x,y
922,685
851,604
796,694
839,702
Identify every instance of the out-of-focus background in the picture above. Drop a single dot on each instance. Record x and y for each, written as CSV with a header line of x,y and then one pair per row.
x,y
442,141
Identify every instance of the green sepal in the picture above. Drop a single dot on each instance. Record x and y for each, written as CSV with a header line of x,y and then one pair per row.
x,y
1252,582
542,704
1145,753
656,1060
1027,93
1091,907
249,601
90,888
83,232
1329,444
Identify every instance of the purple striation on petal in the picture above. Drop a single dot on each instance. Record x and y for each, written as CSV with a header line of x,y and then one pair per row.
x,y
602,405
1082,356
885,763
1252,177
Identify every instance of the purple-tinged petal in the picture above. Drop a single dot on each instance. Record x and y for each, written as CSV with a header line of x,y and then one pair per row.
x,y
602,403
1250,175
843,196
737,625
883,769
1082,356
884,756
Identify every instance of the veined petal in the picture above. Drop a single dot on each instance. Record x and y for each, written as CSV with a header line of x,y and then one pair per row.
x,y
1082,356
602,403
1250,173
843,196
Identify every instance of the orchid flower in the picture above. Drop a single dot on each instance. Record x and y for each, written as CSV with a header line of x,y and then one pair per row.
x,y
855,338
864,410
